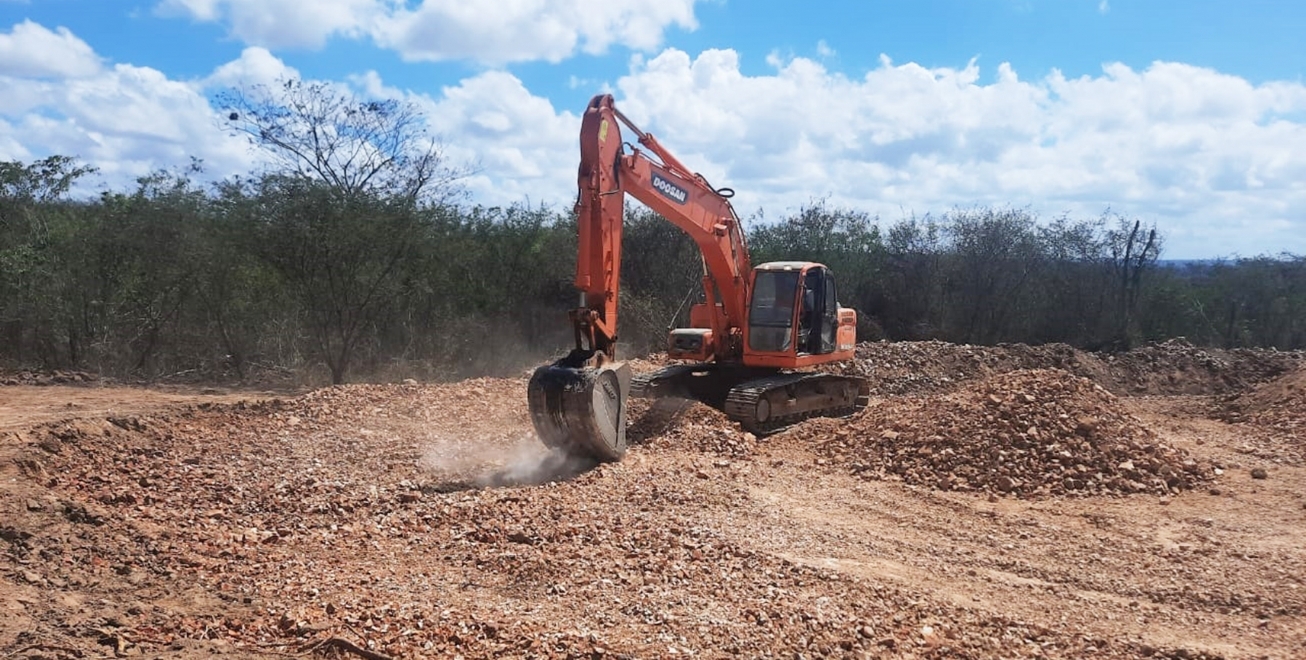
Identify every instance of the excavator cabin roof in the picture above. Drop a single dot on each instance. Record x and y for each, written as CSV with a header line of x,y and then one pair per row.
x,y
785,265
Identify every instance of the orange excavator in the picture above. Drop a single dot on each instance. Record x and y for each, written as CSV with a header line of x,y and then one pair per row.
x,y
749,340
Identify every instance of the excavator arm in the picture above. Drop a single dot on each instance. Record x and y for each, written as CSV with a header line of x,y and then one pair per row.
x,y
578,404
664,184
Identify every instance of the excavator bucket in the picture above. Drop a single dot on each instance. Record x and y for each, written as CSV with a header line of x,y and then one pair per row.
x,y
581,410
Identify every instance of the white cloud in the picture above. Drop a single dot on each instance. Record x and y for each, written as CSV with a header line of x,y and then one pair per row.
x,y
1103,7
521,146
10,148
254,66
1196,150
31,50
1208,156
823,49
509,31
281,23
524,30
126,120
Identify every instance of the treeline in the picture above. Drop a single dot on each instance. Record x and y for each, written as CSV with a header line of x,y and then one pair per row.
x,y
278,273
350,255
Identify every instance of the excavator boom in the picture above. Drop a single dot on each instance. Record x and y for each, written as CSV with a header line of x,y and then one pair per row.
x,y
578,404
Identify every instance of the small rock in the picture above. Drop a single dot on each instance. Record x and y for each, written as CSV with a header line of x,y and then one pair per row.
x,y
1259,473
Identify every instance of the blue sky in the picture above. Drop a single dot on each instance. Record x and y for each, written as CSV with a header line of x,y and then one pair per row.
x,y
1189,114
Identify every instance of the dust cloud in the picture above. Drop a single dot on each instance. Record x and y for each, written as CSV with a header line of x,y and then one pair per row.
x,y
463,463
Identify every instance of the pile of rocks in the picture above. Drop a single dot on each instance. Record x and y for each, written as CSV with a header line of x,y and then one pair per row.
x,y
680,425
310,523
1025,433
1276,414
1176,366
57,377
1170,367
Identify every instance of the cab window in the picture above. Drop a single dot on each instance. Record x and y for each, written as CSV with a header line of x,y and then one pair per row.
x,y
771,314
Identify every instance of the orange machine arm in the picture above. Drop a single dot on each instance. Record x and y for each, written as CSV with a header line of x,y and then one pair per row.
x,y
673,191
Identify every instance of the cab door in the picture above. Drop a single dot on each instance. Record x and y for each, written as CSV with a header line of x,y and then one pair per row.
x,y
818,319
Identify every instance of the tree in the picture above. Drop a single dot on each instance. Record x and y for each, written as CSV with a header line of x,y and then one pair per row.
x,y
341,213
1132,254
1073,291
355,146
913,279
34,212
661,277
344,260
996,253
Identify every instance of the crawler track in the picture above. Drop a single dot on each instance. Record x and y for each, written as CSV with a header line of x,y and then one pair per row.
x,y
761,401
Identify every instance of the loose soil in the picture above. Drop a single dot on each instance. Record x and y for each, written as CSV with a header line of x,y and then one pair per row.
x,y
992,502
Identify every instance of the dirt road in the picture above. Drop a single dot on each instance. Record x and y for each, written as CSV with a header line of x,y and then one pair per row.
x,y
425,521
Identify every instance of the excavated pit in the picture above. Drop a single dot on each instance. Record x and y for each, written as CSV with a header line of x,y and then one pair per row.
x,y
427,521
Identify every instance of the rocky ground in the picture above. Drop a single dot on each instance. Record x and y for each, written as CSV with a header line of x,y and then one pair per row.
x,y
1000,502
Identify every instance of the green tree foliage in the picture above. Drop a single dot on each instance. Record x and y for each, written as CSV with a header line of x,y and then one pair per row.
x,y
995,256
344,259
286,272
37,227
661,277
342,217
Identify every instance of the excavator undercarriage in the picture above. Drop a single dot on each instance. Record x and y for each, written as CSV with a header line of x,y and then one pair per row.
x,y
582,410
762,401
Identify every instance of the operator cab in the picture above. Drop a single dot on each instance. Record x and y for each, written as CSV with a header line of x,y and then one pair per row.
x,y
794,310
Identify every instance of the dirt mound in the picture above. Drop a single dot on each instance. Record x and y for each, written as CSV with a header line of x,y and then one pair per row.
x,y
679,425
58,377
894,368
273,527
1275,414
1170,367
1176,366
1028,433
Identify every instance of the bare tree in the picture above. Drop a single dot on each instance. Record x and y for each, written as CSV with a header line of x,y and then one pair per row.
x,y
1132,254
320,131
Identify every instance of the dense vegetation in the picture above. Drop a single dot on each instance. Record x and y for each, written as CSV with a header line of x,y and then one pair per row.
x,y
348,262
